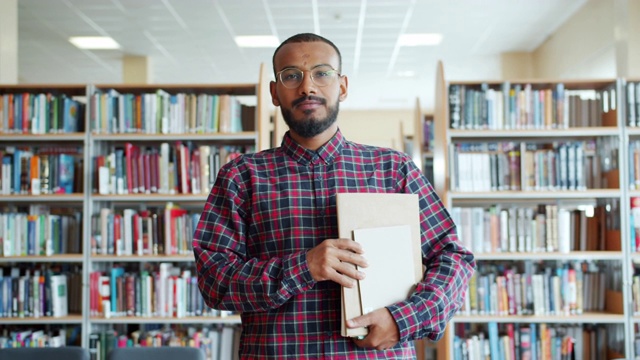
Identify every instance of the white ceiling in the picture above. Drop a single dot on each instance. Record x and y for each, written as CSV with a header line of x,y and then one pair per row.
x,y
191,41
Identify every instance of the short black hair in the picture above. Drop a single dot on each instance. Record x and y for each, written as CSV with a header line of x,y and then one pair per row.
x,y
306,37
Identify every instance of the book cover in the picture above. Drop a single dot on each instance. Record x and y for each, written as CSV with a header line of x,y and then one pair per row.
x,y
59,297
370,210
72,111
382,287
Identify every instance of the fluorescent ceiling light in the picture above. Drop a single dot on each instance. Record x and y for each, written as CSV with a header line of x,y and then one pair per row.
x,y
257,41
94,42
420,39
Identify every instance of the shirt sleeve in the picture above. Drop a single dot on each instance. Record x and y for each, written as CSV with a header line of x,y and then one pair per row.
x,y
227,278
448,266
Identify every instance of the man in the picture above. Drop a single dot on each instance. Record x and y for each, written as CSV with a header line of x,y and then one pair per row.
x,y
267,246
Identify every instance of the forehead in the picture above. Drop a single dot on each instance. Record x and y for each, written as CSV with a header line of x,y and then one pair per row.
x,y
306,55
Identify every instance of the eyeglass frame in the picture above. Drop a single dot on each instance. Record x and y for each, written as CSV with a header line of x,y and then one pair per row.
x,y
279,73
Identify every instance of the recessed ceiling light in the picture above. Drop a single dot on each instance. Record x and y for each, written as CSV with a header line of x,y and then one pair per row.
x,y
420,39
94,42
257,41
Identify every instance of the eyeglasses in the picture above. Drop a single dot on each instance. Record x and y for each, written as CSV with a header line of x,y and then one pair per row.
x,y
321,75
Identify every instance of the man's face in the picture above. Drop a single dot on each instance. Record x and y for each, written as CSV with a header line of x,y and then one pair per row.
x,y
308,109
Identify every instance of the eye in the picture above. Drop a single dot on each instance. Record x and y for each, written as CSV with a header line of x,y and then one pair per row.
x,y
322,73
291,76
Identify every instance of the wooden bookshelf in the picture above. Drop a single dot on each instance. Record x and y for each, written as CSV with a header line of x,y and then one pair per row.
x,y
631,129
611,126
85,201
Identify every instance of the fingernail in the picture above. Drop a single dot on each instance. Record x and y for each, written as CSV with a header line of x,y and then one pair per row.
x,y
361,275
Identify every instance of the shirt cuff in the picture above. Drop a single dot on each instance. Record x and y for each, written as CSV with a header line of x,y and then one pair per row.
x,y
410,326
297,277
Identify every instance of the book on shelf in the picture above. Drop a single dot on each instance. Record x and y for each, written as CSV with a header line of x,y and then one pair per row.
x,y
633,103
569,289
378,213
161,112
538,228
507,106
59,295
164,290
532,166
40,113
185,168
538,340
155,231
52,231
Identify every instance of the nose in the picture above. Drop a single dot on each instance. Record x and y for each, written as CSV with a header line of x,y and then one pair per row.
x,y
307,85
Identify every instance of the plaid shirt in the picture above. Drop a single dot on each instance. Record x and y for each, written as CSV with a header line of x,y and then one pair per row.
x,y
266,210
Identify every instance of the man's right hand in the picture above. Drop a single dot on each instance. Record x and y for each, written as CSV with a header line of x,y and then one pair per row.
x,y
334,260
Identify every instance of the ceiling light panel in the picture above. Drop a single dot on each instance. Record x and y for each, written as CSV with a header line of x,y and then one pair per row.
x,y
253,41
94,42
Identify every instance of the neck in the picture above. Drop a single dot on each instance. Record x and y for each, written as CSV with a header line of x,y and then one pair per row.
x,y
314,143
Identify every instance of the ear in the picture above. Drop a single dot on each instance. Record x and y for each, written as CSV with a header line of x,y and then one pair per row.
x,y
274,96
344,86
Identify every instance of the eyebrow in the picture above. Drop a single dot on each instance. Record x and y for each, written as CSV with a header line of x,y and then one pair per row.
x,y
311,68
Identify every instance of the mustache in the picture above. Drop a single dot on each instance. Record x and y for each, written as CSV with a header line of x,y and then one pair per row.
x,y
309,98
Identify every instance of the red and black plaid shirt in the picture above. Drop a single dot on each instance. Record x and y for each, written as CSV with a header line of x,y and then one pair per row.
x,y
266,210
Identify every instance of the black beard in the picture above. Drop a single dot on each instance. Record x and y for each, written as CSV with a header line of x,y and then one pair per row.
x,y
309,126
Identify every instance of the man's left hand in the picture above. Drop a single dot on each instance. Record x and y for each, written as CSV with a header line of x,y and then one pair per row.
x,y
383,330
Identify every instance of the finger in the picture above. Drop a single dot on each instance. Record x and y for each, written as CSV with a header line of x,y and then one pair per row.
x,y
352,258
349,270
359,321
344,280
372,342
361,342
348,244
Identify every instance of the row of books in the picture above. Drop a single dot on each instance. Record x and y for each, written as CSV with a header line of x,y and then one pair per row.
x,y
184,168
563,290
163,291
538,342
634,164
167,231
23,234
634,224
40,170
217,342
428,132
525,166
40,294
635,292
164,113
29,337
540,228
521,106
633,103
40,113
636,340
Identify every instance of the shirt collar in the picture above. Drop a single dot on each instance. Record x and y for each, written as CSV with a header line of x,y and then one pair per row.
x,y
325,153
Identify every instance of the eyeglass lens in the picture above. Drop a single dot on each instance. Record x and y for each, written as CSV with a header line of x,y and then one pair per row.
x,y
321,76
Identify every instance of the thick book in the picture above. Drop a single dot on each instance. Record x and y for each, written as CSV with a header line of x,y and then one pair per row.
x,y
357,211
